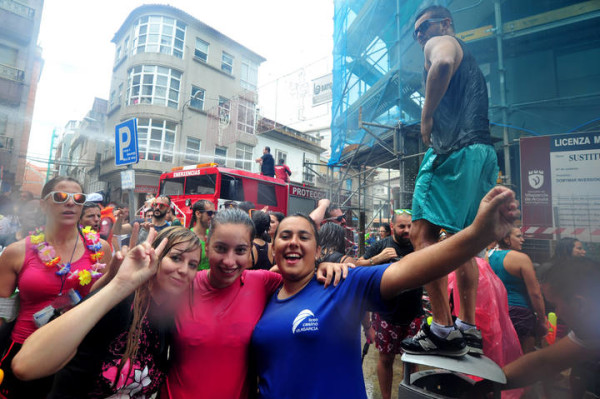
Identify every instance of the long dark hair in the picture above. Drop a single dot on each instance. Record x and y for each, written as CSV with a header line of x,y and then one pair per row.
x,y
332,238
175,235
564,247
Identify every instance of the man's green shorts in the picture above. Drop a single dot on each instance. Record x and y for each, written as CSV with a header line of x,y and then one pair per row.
x,y
450,186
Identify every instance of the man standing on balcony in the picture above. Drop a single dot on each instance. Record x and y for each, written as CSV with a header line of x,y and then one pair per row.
x,y
458,169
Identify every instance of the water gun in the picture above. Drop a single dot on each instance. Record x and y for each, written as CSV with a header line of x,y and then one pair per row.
x,y
551,324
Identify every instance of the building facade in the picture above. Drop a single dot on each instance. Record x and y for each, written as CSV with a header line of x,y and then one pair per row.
x,y
20,70
192,89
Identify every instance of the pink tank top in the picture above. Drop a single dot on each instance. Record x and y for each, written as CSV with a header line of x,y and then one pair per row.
x,y
39,286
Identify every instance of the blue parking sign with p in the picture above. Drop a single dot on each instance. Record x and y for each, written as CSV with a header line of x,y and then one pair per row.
x,y
126,143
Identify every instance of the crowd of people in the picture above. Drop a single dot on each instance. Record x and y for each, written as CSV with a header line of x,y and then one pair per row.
x,y
242,302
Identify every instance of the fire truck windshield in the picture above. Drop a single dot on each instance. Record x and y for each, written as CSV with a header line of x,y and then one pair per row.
x,y
191,185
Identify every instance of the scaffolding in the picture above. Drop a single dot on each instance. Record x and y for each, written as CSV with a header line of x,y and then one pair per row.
x,y
541,60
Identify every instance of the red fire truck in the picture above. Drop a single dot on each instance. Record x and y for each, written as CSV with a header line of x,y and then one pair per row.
x,y
220,185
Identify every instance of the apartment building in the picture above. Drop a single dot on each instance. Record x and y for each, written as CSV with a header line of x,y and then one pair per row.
x,y
20,69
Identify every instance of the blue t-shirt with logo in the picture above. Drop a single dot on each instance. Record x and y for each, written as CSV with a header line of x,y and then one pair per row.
x,y
308,345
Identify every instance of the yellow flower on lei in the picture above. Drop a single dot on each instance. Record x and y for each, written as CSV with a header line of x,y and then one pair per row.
x,y
37,239
85,277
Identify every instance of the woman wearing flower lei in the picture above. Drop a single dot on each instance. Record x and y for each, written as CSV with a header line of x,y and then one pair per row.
x,y
53,269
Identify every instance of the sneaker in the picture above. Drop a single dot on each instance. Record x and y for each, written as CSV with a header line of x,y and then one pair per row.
x,y
426,342
474,341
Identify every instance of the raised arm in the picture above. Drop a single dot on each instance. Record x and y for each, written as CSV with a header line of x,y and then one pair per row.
x,y
318,214
497,211
49,348
443,56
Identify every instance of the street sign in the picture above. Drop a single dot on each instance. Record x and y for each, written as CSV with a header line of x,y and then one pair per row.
x,y
126,143
128,179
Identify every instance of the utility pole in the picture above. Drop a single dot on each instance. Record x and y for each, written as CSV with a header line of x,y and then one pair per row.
x,y
50,155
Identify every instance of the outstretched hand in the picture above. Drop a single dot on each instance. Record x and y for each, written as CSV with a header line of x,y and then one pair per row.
x,y
497,213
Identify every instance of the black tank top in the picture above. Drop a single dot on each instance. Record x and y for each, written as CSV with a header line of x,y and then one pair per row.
x,y
262,259
461,118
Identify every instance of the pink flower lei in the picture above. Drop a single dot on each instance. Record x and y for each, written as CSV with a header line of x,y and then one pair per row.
x,y
48,256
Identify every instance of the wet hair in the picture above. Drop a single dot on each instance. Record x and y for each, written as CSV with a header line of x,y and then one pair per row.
x,y
573,275
262,222
564,247
332,207
504,243
278,215
246,206
387,229
231,216
268,149
332,238
52,183
175,235
199,205
311,222
436,12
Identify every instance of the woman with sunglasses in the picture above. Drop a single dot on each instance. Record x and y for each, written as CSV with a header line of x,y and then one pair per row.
x,y
307,342
53,269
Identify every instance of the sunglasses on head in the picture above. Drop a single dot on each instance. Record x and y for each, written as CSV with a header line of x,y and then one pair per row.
x,y
402,211
209,213
160,206
60,197
425,25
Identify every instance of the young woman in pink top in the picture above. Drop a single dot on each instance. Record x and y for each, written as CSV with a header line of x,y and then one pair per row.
x,y
52,269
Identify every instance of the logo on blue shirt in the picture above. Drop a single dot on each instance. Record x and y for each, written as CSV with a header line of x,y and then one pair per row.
x,y
305,321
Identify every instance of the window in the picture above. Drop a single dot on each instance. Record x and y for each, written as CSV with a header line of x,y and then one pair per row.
x,y
197,99
266,195
112,99
243,156
227,63
192,149
203,184
224,110
309,175
246,113
152,84
249,75
3,123
232,188
220,155
120,94
156,139
158,34
201,50
280,155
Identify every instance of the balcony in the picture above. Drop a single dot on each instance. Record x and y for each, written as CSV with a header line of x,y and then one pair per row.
x,y
16,21
11,84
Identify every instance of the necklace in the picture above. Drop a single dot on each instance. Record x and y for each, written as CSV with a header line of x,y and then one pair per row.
x,y
48,256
